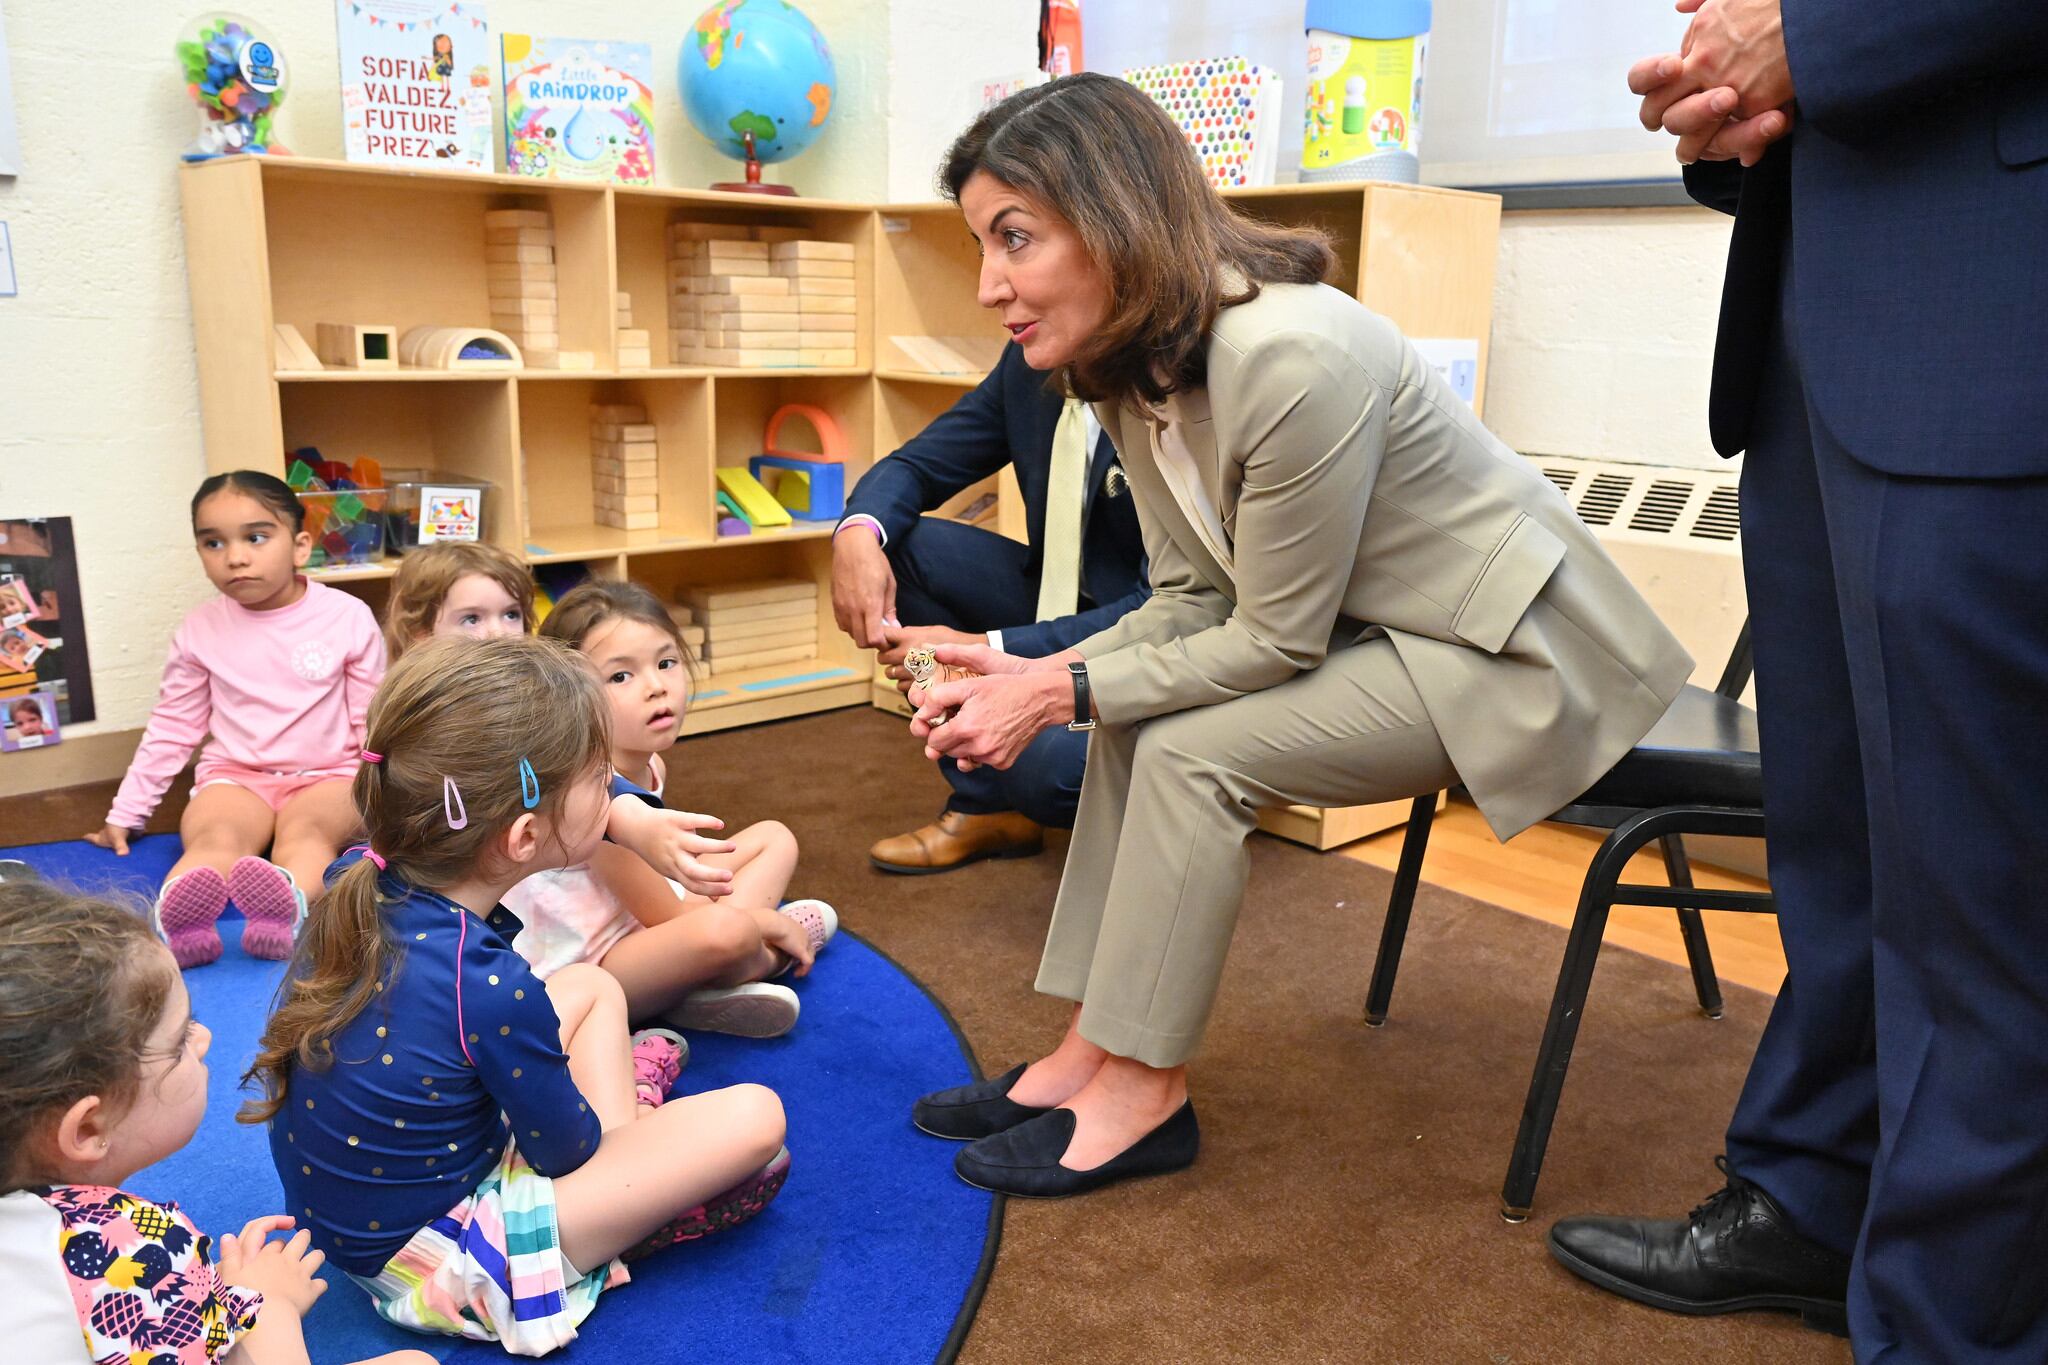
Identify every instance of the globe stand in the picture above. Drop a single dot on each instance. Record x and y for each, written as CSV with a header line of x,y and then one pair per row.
x,y
753,183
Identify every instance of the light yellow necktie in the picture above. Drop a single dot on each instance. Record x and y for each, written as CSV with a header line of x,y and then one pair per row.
x,y
1059,577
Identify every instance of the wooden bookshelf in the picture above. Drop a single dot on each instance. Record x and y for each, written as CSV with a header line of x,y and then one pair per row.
x,y
304,241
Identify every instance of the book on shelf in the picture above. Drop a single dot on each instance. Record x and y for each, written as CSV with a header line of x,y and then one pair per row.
x,y
1227,108
578,109
415,82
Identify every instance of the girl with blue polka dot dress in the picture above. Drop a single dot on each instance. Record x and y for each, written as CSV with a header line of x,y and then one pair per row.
x,y
480,1151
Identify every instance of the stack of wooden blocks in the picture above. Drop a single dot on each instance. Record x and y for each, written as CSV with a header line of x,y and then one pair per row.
x,y
687,627
756,624
625,478
759,296
519,256
636,345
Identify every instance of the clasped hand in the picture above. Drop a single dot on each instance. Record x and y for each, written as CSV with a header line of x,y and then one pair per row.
x,y
988,720
1727,92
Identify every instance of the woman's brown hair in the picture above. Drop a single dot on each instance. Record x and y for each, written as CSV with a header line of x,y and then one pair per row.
x,y
592,604
83,984
425,576
460,709
1099,153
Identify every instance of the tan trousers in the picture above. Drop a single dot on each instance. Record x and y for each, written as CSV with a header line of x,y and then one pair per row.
x,y
1157,867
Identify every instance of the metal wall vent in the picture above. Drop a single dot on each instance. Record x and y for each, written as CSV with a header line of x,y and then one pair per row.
x,y
1659,509
1653,500
1721,518
1602,498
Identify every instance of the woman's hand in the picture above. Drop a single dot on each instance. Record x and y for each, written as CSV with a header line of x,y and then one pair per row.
x,y
285,1273
112,836
989,720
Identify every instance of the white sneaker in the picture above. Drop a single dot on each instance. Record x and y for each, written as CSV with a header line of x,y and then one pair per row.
x,y
759,1009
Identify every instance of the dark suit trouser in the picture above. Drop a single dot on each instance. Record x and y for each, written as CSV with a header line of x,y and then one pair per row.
x,y
949,574
1898,1104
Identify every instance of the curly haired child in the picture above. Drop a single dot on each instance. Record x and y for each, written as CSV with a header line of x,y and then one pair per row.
x,y
103,1072
278,670
476,1148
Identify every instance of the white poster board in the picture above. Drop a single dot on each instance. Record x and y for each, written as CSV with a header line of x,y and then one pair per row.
x,y
10,134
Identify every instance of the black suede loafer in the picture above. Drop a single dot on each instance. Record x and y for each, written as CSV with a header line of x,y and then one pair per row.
x,y
1736,1251
1025,1160
967,1112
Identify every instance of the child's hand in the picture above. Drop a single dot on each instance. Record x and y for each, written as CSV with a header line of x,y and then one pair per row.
x,y
111,836
283,1272
789,938
669,842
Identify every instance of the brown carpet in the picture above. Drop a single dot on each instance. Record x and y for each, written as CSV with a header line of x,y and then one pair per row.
x,y
1344,1208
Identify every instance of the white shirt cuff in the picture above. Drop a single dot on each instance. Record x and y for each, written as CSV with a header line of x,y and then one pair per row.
x,y
995,641
863,519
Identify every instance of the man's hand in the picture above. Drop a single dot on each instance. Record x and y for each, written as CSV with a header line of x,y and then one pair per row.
x,y
1738,45
902,639
863,586
990,720
1695,93
284,1273
111,836
669,842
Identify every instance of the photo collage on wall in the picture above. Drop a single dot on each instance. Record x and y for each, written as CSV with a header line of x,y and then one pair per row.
x,y
45,676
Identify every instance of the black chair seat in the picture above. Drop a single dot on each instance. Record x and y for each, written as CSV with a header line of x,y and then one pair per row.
x,y
1704,752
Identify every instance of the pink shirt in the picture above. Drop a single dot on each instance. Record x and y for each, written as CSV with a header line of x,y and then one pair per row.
x,y
285,691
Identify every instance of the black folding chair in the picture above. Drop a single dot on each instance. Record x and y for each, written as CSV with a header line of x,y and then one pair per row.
x,y
1696,772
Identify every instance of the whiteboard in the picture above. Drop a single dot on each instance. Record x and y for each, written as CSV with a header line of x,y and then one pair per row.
x,y
1535,92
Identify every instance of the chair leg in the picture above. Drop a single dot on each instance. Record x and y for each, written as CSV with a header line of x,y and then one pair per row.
x,y
1705,985
1561,1031
1407,875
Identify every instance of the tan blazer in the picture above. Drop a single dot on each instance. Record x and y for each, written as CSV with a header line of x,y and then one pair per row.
x,y
1360,497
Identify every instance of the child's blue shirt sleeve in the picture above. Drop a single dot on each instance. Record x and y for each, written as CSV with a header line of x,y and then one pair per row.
x,y
514,1040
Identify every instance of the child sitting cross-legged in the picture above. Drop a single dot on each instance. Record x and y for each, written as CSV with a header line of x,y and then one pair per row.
x,y
695,952
475,1148
103,1072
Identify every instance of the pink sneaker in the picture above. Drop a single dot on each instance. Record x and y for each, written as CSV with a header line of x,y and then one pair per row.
x,y
272,907
820,922
185,912
719,1212
659,1056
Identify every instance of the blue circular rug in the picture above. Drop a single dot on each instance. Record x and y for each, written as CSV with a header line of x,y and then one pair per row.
x,y
874,1252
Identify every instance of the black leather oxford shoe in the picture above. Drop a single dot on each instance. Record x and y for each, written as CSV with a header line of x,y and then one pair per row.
x,y
1736,1251
967,1112
1025,1160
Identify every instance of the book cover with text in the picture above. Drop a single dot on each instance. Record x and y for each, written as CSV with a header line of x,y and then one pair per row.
x,y
579,109
416,82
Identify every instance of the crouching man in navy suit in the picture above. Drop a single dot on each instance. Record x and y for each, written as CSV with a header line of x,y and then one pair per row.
x,y
901,579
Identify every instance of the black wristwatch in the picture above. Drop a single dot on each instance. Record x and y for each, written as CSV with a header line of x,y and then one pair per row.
x,y
1084,718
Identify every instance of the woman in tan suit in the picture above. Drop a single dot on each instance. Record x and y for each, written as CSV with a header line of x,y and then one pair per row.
x,y
1359,594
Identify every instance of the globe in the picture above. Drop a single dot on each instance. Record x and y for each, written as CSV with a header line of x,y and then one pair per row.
x,y
760,67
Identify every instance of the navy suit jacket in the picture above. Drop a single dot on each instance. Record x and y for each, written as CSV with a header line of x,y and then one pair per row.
x,y
1915,187
1008,419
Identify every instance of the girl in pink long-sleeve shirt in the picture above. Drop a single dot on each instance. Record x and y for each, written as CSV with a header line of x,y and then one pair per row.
x,y
279,671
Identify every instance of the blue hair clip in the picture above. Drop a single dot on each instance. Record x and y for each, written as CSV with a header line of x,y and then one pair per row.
x,y
529,785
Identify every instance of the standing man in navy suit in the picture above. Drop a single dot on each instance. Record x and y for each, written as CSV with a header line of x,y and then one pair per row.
x,y
1881,358
900,578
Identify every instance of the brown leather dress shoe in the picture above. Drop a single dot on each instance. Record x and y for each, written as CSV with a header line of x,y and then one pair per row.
x,y
956,839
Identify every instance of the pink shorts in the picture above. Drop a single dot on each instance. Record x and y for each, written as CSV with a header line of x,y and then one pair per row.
x,y
274,788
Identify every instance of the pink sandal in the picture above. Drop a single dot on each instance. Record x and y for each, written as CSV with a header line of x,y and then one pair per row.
x,y
271,905
719,1212
659,1056
185,913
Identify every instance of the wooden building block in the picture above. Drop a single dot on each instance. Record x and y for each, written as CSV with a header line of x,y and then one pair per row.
x,y
357,346
701,598
292,352
641,432
517,218
519,255
752,321
621,414
525,306
753,341
824,341
738,359
559,360
809,321
716,648
811,250
805,268
746,303
717,250
741,662
814,304
538,291
815,284
731,267
520,270
741,284
633,336
623,301
733,632
765,232
707,232
519,236
636,358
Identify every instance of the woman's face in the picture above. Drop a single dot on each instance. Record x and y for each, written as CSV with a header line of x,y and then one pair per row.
x,y
1035,272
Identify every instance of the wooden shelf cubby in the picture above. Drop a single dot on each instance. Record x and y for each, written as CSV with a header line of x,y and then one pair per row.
x,y
303,241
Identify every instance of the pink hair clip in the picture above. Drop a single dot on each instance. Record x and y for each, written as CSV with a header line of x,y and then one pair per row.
x,y
451,804
372,855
